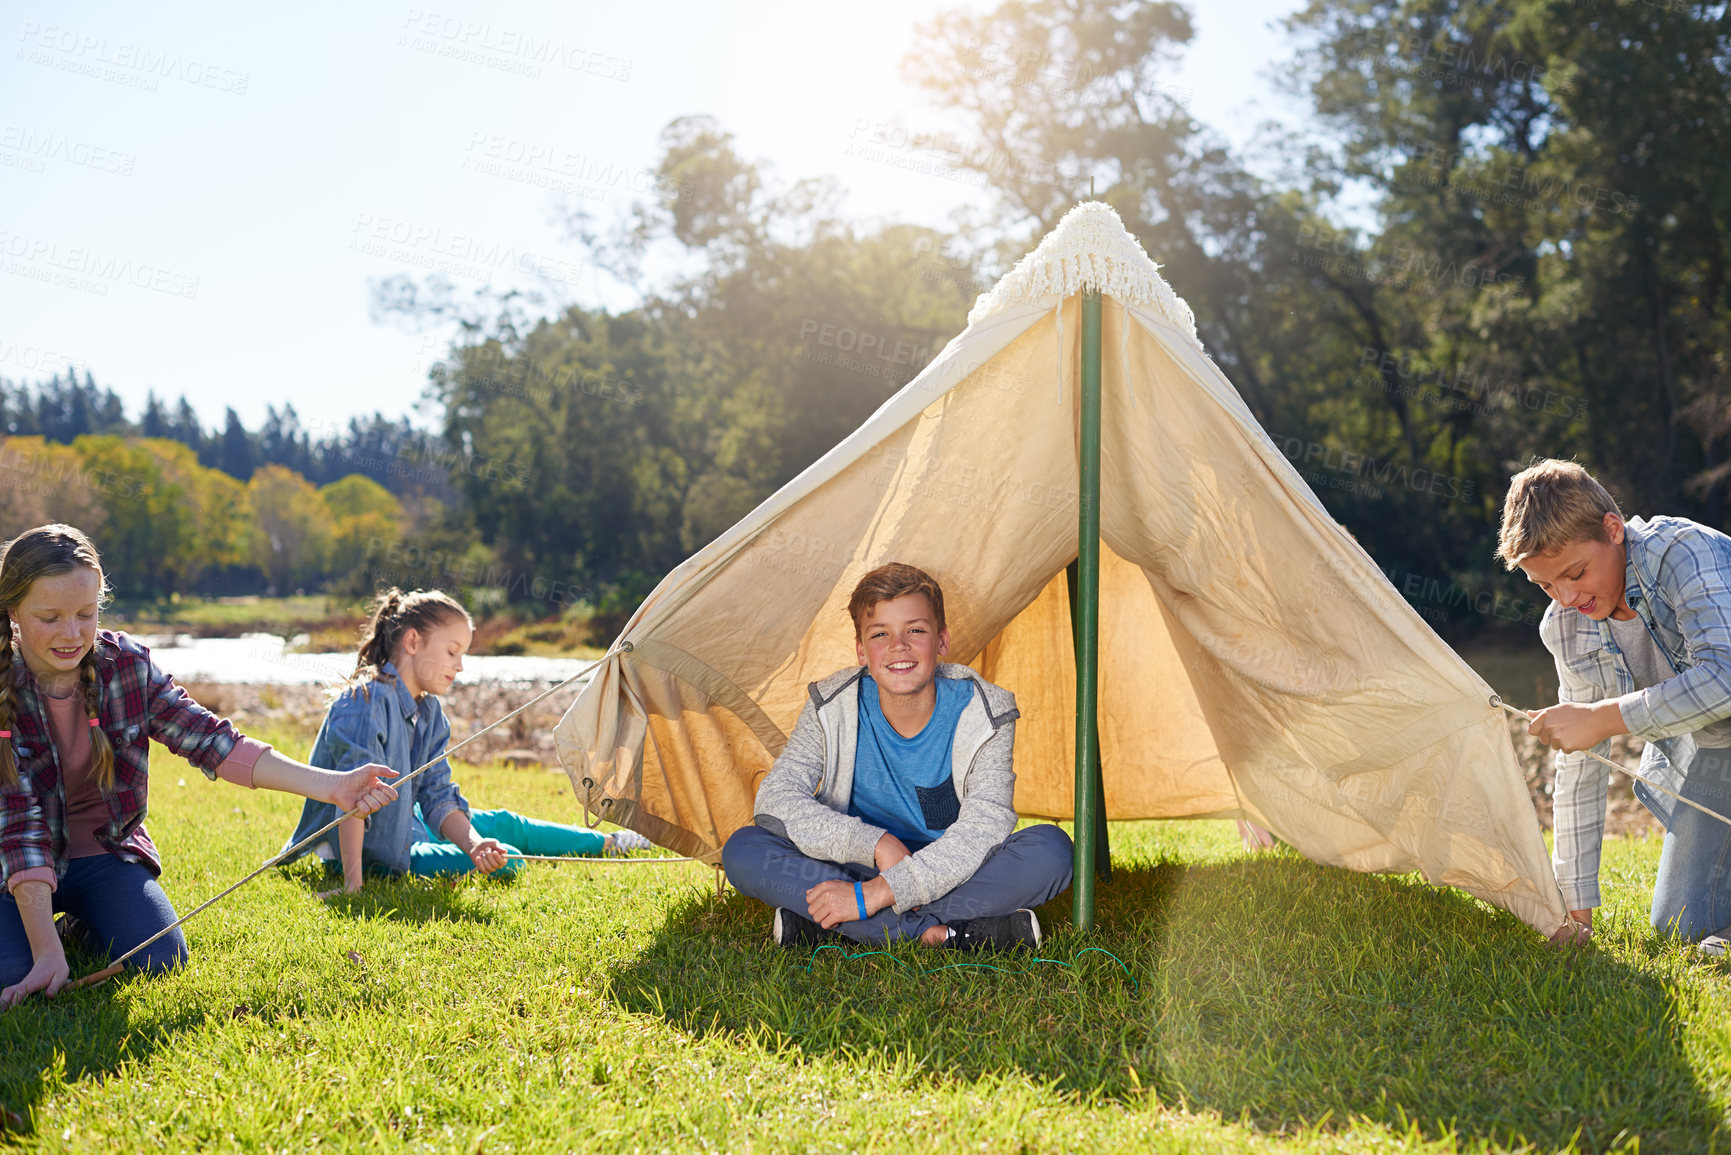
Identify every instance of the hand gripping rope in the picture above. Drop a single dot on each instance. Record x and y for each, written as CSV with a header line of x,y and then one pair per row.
x,y
1497,701
114,967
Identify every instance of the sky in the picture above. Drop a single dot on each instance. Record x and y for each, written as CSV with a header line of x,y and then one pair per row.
x,y
194,199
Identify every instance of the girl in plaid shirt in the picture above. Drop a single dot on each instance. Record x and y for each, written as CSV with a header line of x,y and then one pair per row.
x,y
78,707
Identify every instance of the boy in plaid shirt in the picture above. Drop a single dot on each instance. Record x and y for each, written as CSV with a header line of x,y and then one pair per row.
x,y
1640,627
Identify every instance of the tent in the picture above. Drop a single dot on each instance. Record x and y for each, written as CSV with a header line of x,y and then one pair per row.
x,y
1254,661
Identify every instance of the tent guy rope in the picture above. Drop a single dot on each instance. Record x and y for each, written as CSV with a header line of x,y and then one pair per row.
x,y
1496,700
580,861
115,967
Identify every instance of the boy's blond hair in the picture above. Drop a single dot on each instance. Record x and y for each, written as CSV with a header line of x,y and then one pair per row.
x,y
1550,504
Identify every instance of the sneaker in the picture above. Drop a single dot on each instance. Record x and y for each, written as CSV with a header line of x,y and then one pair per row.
x,y
1018,930
791,928
621,841
1715,945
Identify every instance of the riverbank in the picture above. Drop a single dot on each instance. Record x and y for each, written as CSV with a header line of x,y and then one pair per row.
x,y
526,740
316,623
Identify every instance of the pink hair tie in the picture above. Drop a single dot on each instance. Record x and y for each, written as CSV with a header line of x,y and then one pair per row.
x,y
5,733
93,723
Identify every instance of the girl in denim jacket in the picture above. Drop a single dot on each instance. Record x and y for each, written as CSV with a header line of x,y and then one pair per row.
x,y
411,653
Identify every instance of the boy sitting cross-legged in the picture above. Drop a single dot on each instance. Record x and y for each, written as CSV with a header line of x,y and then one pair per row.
x,y
890,813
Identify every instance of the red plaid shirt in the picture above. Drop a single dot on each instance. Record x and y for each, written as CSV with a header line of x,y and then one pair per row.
x,y
138,702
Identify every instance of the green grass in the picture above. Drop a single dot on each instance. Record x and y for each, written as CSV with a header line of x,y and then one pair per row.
x,y
231,617
1271,1004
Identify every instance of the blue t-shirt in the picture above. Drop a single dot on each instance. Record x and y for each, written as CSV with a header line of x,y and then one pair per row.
x,y
903,784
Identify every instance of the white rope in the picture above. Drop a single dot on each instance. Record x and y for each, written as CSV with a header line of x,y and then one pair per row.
x,y
587,861
1497,701
114,967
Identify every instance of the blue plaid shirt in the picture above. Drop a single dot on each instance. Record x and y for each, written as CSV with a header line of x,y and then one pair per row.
x,y
1678,580
380,721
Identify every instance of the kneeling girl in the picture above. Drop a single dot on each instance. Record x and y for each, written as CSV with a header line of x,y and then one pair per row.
x,y
78,708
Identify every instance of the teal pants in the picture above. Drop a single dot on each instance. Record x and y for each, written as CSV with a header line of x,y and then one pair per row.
x,y
520,835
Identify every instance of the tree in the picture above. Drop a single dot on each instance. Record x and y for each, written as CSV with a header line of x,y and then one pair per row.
x,y
235,453
604,448
154,423
225,524
205,517
282,441
40,483
367,521
17,412
1638,252
1560,155
147,517
187,430
1487,312
294,527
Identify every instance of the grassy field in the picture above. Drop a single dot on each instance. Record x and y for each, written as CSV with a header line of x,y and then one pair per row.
x,y
1267,1004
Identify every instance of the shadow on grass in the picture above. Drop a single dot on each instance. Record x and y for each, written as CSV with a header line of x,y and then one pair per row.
x,y
1269,988
89,1034
405,899
82,1034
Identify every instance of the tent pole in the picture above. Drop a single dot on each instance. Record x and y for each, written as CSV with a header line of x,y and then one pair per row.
x,y
1087,608
1102,844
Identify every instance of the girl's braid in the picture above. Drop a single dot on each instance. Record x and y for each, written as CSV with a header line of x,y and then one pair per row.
x,y
8,704
101,749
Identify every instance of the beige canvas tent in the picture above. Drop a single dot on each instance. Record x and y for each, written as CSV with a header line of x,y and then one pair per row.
x,y
1255,662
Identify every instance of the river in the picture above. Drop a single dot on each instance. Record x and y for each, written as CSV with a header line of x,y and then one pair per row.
x,y
264,659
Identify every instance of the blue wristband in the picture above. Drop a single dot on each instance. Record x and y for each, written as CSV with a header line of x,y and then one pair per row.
x,y
859,897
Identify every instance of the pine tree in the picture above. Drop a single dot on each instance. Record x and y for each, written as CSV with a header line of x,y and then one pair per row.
x,y
155,421
236,456
186,430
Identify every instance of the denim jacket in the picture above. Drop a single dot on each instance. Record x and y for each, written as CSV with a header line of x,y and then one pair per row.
x,y
380,721
1678,581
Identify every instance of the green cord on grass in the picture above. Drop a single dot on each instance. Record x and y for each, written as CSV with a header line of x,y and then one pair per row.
x,y
1137,986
